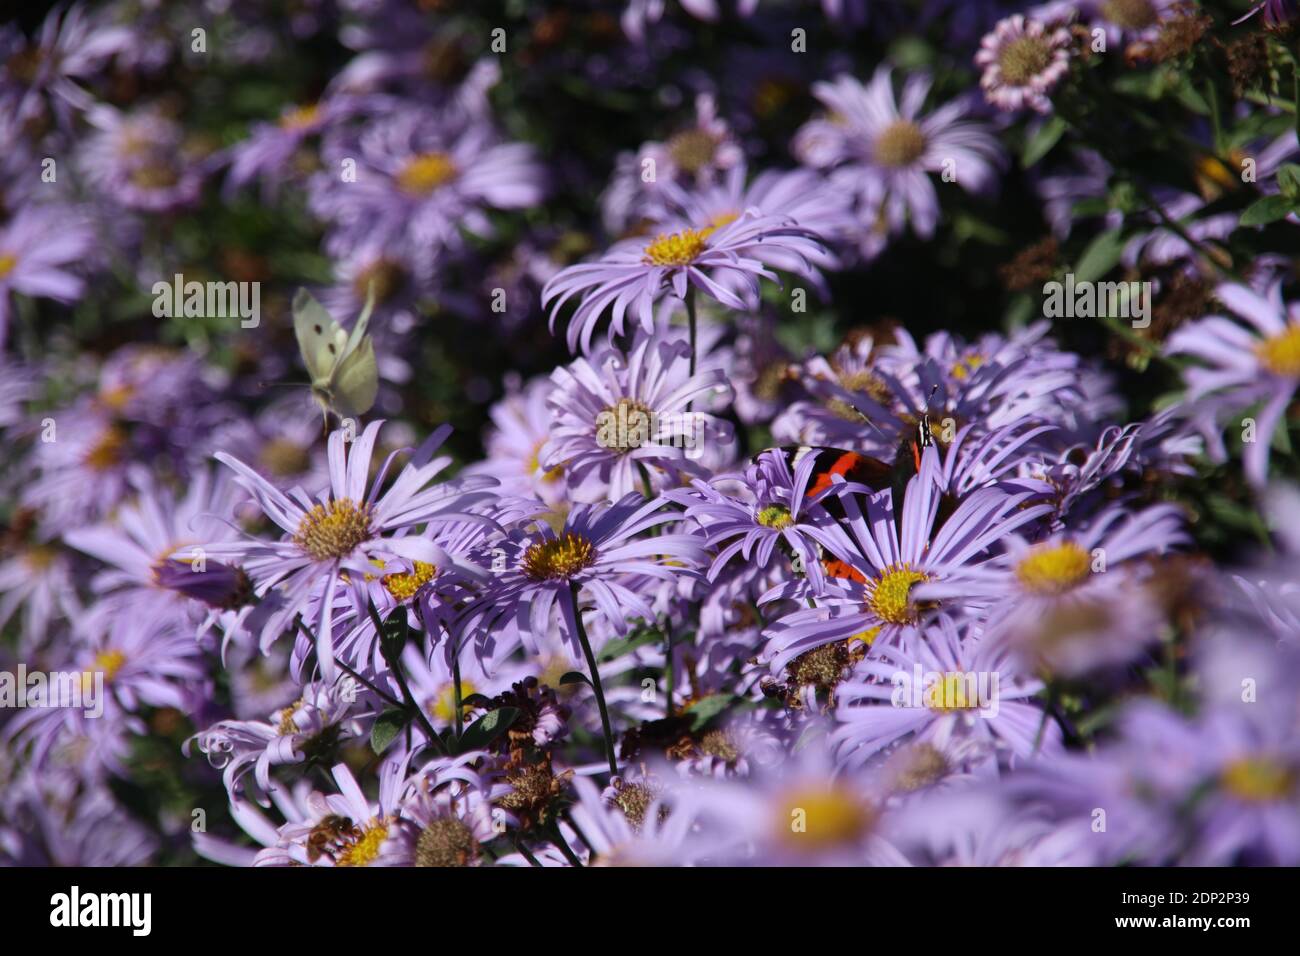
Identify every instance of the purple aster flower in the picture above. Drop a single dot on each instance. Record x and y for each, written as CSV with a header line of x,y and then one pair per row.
x,y
1076,600
1128,21
944,689
334,537
725,260
39,251
596,554
311,727
86,829
1023,60
771,505
420,178
1253,360
881,151
639,13
36,579
521,424
870,597
141,160
44,71
1276,13
271,152
619,421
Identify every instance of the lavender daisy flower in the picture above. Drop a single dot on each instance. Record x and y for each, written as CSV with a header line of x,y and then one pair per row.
x,y
618,421
450,807
882,151
944,689
36,580
335,537
141,160
421,177
45,71
271,151
521,424
870,598
1023,60
1129,20
39,250
322,718
774,505
1076,600
596,553
1255,361
724,260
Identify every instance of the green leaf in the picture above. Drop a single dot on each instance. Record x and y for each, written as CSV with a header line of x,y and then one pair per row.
x,y
1288,181
575,677
626,645
1041,143
487,729
1266,210
387,726
1100,257
702,711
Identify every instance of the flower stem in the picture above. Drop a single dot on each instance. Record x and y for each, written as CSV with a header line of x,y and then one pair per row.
x,y
691,329
595,678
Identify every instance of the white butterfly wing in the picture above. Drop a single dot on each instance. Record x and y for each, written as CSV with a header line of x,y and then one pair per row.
x,y
355,381
320,339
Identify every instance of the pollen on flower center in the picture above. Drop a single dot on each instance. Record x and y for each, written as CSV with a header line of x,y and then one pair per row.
x,y
403,585
1258,780
558,559
333,530
819,819
7,262
287,724
625,425
110,662
954,691
426,172
1053,568
1130,14
891,596
155,176
107,452
1280,354
1024,58
693,149
900,144
678,249
445,842
365,850
775,516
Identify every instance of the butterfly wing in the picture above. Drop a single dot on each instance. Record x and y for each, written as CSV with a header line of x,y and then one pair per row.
x,y
320,339
355,381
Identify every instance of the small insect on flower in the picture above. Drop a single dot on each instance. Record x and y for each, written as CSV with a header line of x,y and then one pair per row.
x,y
344,376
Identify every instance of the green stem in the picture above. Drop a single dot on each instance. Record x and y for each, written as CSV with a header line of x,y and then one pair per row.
x,y
455,683
595,678
691,325
670,677
558,839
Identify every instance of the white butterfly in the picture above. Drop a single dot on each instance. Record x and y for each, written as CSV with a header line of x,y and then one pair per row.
x,y
344,377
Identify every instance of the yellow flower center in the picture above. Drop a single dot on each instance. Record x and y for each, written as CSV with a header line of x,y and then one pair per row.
x,y
334,529
283,457
534,464
107,452
558,559
443,706
40,557
426,172
819,819
964,367
300,117
7,262
155,176
1053,568
1281,353
1257,779
900,144
625,425
679,249
385,275
1130,14
693,149
287,725
366,850
775,516
891,595
956,691
867,637
403,585
1024,58
108,663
